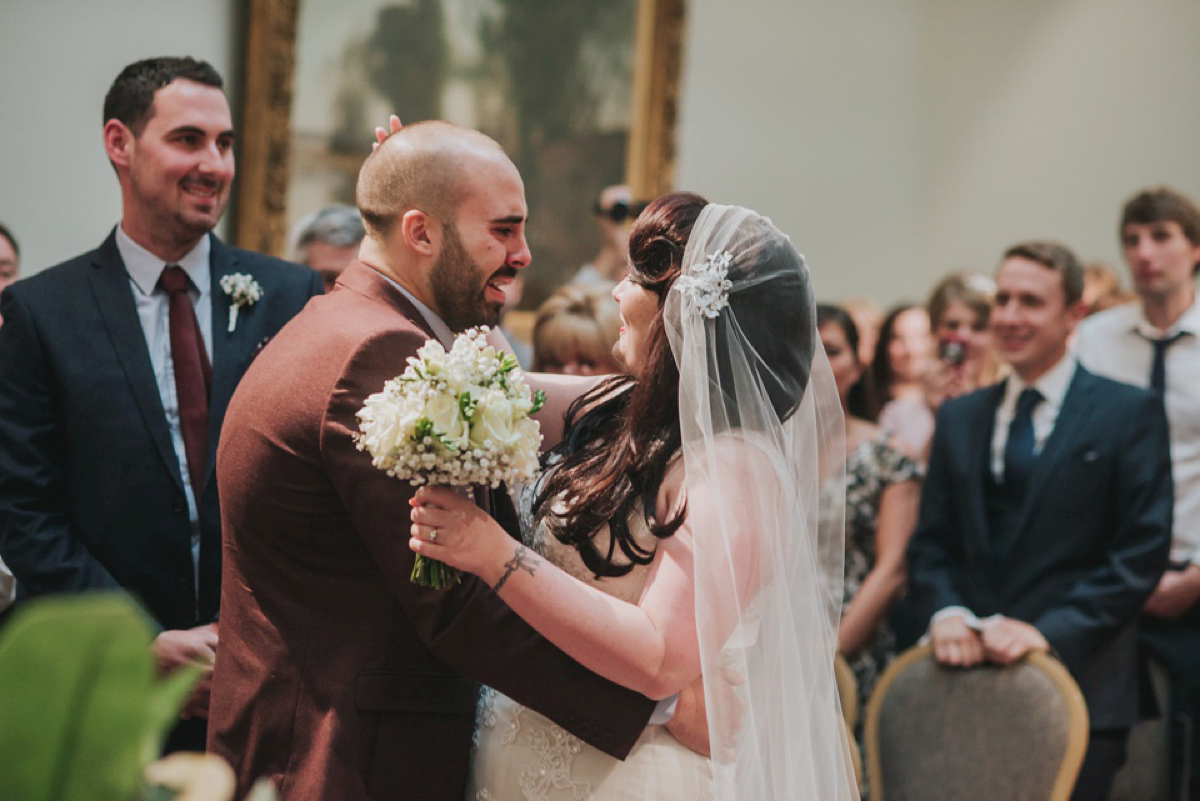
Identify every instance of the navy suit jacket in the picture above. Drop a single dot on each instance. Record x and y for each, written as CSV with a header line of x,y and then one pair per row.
x,y
91,495
1092,537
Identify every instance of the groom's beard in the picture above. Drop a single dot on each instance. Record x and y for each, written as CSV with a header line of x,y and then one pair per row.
x,y
459,287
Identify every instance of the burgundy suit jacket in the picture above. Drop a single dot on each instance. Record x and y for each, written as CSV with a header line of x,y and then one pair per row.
x,y
335,675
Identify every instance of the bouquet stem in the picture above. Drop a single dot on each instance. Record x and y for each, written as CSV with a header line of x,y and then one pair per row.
x,y
432,573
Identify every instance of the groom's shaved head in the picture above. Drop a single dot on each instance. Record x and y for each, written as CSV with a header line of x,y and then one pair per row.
x,y
423,166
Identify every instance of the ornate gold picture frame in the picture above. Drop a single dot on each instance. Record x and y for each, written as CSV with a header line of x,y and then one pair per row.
x,y
264,157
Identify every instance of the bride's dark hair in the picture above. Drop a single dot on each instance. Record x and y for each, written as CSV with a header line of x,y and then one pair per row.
x,y
622,435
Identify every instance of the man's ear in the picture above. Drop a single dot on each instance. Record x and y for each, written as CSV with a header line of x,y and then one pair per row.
x,y
421,232
118,141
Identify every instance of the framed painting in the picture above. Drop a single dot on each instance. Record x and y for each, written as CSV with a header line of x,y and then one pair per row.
x,y
581,93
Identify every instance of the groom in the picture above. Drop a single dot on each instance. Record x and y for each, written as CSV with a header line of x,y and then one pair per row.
x,y
336,676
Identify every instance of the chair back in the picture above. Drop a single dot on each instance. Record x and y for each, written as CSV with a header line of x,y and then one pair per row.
x,y
944,734
847,689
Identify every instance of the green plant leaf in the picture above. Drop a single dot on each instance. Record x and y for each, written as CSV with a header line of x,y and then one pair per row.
x,y
79,706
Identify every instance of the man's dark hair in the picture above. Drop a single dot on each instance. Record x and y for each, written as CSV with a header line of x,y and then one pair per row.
x,y
1056,257
1163,204
131,96
12,240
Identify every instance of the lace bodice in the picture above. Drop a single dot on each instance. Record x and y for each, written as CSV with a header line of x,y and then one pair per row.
x,y
520,754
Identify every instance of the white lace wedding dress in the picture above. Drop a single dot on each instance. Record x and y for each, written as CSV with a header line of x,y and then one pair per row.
x,y
522,756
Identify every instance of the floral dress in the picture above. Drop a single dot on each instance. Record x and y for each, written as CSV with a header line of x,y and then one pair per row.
x,y
871,468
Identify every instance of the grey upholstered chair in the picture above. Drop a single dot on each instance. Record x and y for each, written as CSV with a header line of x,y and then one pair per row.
x,y
1015,733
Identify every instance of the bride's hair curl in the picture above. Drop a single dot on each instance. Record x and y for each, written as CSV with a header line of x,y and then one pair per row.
x,y
623,434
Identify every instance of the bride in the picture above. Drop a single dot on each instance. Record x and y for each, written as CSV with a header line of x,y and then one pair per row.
x,y
675,532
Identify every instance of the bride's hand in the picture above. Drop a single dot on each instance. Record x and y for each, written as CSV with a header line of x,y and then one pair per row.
x,y
380,134
452,529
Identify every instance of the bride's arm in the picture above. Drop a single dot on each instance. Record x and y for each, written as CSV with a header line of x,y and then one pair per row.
x,y
561,391
650,647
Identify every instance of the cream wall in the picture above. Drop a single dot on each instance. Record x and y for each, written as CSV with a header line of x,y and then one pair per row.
x,y
57,59
893,139
898,140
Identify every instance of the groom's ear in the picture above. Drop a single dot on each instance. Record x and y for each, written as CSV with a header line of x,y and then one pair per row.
x,y
419,231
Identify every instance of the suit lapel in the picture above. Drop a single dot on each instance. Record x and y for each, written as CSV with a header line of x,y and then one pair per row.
x,y
114,300
231,349
980,464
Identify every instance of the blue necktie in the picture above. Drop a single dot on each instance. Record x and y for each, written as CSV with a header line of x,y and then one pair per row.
x,y
1158,368
1018,451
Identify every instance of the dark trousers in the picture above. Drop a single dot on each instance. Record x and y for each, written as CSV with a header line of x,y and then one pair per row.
x,y
188,735
1176,644
1104,757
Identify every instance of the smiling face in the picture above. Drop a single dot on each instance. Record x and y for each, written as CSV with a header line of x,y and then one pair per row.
x,y
483,249
8,262
1161,259
177,173
1031,320
961,323
908,350
639,309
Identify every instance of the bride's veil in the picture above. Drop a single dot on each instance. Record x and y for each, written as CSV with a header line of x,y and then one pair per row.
x,y
763,435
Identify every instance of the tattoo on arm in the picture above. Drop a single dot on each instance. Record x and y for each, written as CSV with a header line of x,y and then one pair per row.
x,y
522,560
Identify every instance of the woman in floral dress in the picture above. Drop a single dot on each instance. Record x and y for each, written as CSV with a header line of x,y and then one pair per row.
x,y
882,495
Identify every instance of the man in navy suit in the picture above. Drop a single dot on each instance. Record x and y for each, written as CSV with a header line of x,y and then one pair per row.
x,y
106,450
1046,513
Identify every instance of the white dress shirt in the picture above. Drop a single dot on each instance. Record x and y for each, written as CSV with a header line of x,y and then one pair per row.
x,y
153,310
1116,344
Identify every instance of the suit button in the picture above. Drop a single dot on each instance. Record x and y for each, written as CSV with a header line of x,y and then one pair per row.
x,y
182,585
178,506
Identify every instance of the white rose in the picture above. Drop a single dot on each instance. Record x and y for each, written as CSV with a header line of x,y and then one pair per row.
x,y
494,420
384,426
442,411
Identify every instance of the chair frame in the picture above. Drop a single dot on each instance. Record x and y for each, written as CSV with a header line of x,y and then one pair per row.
x,y
1077,724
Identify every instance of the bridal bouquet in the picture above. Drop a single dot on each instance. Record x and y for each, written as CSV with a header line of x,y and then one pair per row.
x,y
457,418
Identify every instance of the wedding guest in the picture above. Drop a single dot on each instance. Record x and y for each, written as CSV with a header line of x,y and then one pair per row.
x,y
615,211
1155,343
10,263
882,493
10,257
901,357
118,365
10,260
958,310
1045,514
1102,288
575,330
327,240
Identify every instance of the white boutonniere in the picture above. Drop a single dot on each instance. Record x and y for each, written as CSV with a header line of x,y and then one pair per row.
x,y
242,290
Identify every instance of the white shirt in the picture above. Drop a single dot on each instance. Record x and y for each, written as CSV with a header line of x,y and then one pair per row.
x,y
1053,385
153,310
1115,343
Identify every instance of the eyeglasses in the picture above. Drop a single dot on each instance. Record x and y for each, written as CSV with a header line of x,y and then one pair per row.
x,y
620,211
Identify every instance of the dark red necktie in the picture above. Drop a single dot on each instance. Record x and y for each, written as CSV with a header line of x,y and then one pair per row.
x,y
193,376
